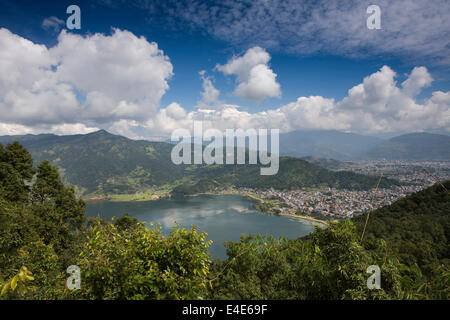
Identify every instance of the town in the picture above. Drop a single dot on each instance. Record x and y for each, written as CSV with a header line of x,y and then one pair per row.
x,y
332,203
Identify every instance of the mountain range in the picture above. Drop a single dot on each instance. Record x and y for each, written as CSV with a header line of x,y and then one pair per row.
x,y
332,144
413,146
349,146
103,163
329,144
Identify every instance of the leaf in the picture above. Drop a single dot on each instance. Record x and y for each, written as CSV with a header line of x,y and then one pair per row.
x,y
22,275
14,282
5,288
316,249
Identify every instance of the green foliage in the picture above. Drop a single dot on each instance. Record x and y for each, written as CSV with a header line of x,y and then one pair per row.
x,y
202,186
142,263
416,228
295,173
57,215
41,223
12,186
19,282
16,168
329,265
20,159
125,222
104,162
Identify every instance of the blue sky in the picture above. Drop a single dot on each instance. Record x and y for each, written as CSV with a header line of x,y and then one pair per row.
x,y
312,53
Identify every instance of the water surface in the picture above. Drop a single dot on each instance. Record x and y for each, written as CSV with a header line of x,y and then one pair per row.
x,y
224,217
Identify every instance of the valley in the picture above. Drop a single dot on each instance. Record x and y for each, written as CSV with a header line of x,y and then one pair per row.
x,y
103,166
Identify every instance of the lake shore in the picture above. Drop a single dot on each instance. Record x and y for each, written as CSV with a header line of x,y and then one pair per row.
x,y
124,198
304,218
254,197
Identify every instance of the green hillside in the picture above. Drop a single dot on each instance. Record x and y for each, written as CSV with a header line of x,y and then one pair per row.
x,y
416,227
101,163
104,162
296,173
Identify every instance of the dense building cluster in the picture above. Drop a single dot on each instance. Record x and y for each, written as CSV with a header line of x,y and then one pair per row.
x,y
424,173
342,203
338,203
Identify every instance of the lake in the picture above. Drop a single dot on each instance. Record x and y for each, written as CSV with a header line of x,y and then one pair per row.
x,y
223,217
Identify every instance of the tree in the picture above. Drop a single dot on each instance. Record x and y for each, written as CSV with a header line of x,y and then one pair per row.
x,y
125,222
57,214
12,186
143,263
329,264
40,226
21,160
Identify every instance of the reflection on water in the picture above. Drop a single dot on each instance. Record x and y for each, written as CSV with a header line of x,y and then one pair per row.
x,y
224,217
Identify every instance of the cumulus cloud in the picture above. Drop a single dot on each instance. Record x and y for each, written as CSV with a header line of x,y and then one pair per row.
x,y
59,129
376,105
418,79
116,82
52,23
96,78
256,81
210,95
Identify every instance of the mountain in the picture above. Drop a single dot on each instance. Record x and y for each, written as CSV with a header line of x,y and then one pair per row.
x,y
100,160
416,228
293,174
104,163
337,145
413,146
326,144
331,164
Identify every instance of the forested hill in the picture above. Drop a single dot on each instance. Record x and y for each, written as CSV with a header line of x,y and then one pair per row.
x,y
417,227
110,164
103,159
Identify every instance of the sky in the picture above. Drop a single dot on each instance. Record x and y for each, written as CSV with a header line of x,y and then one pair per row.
x,y
144,68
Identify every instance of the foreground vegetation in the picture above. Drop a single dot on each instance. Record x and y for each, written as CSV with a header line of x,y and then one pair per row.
x,y
43,231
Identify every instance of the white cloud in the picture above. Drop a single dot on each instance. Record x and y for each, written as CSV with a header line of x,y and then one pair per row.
x,y
418,79
52,23
59,129
175,111
377,105
256,81
95,78
116,82
210,95
413,29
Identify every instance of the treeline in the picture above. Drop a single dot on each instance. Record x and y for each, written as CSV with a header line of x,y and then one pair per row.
x,y
43,231
201,186
293,174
